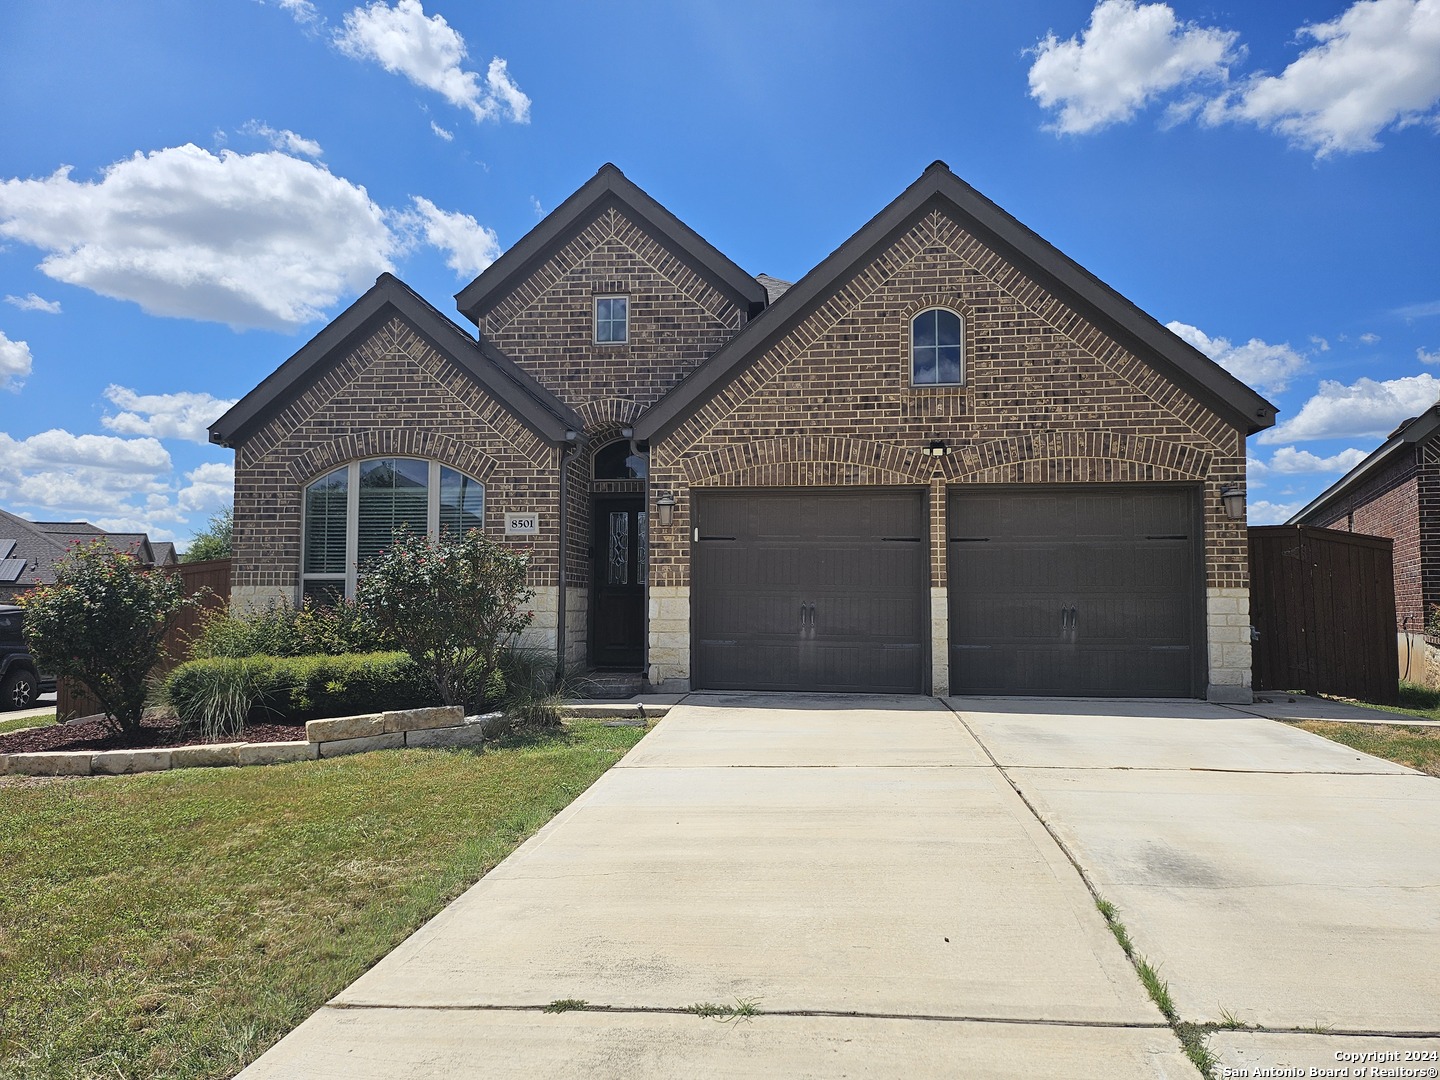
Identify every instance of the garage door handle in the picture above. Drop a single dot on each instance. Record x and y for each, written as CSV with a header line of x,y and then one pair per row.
x,y
812,618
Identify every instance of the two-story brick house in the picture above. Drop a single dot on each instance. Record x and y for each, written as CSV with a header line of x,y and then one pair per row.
x,y
947,459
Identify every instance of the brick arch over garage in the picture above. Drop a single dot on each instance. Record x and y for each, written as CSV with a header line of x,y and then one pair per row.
x,y
1076,457
809,461
392,442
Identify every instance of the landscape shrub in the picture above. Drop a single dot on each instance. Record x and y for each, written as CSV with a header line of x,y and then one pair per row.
x,y
453,604
281,630
298,688
103,623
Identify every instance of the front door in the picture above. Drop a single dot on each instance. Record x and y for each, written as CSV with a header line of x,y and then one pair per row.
x,y
617,589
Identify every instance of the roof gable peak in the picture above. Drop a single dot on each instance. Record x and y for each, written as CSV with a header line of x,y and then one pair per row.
x,y
563,223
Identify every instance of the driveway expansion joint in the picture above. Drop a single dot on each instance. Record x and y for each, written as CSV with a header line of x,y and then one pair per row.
x,y
840,1014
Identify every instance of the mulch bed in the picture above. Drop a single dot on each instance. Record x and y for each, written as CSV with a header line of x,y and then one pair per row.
x,y
156,731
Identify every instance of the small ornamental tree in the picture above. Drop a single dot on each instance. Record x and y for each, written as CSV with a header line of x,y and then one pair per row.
x,y
103,623
452,604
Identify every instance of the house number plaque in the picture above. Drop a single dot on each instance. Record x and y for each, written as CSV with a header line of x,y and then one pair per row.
x,y
522,524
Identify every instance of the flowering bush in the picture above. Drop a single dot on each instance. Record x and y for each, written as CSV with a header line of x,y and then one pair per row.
x,y
452,604
103,623
281,630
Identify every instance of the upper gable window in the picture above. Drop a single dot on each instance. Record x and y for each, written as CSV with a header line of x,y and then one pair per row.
x,y
612,320
936,352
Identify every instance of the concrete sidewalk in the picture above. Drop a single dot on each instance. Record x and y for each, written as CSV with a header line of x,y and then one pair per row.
x,y
854,865
1274,877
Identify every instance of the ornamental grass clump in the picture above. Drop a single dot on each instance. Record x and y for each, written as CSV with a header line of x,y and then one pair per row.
x,y
452,604
103,623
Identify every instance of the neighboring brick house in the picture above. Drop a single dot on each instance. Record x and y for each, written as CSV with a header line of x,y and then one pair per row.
x,y
947,459
29,550
1395,492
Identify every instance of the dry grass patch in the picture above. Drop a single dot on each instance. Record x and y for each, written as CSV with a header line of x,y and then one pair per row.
x,y
1417,747
178,924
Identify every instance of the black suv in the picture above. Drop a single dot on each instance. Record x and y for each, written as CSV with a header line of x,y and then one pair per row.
x,y
20,680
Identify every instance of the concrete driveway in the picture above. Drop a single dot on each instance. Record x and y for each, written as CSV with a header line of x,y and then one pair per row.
x,y
1276,878
857,867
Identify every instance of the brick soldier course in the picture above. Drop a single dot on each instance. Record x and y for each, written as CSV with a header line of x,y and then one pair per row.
x,y
731,386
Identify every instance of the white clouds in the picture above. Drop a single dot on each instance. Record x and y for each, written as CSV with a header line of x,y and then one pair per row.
x,y
448,136
1418,311
1290,460
1370,339
1261,512
1256,363
1374,67
31,302
81,474
1364,408
1130,54
15,362
470,246
428,52
283,140
1425,357
260,240
164,416
211,486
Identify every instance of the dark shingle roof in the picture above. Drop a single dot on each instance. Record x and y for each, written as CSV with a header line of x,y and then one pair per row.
x,y
39,545
774,287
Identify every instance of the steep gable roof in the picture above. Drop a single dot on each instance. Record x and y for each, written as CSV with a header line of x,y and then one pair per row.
x,y
938,187
609,186
501,377
1413,431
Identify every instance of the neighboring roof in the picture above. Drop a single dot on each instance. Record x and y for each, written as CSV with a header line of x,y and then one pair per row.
x,y
1064,277
608,187
774,287
29,550
531,403
164,553
1415,430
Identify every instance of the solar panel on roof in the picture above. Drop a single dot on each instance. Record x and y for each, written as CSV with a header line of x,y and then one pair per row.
x,y
10,569
6,546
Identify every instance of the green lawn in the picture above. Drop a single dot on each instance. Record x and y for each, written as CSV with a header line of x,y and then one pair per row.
x,y
16,723
177,924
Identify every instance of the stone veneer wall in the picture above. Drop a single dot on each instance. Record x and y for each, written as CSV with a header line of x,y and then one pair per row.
x,y
1048,398
391,394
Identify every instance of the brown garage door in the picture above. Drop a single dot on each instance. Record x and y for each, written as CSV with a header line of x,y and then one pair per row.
x,y
1076,591
810,591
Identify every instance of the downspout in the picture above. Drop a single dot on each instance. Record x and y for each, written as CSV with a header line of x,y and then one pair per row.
x,y
567,452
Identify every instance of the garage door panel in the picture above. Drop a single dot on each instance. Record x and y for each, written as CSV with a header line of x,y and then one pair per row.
x,y
855,559
1074,591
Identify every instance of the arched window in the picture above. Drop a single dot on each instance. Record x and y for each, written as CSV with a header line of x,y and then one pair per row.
x,y
353,512
616,462
937,351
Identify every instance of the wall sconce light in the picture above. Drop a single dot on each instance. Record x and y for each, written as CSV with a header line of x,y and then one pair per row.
x,y
1232,497
665,507
936,448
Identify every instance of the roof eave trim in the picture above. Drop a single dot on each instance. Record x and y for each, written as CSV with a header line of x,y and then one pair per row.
x,y
536,245
291,377
1417,431
1217,387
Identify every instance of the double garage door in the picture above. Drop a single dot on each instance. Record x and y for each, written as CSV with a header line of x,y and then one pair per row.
x,y
1079,591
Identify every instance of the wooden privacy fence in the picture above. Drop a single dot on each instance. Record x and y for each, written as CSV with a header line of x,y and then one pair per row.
x,y
1322,603
210,580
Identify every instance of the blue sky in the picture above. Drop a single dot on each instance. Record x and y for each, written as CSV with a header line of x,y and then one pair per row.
x,y
188,191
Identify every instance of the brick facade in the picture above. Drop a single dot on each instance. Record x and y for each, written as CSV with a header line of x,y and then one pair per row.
x,y
676,320
1388,504
393,393
1049,397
